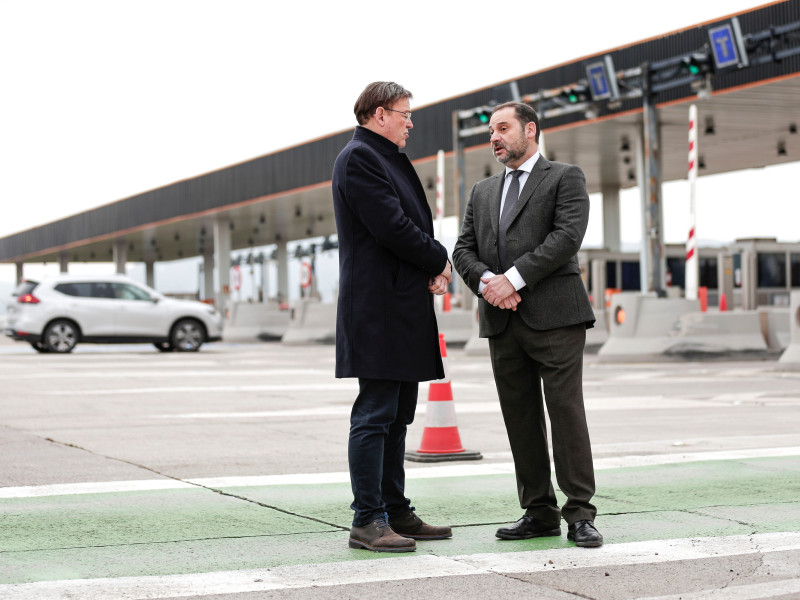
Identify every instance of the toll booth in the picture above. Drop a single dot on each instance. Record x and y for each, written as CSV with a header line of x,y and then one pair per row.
x,y
751,272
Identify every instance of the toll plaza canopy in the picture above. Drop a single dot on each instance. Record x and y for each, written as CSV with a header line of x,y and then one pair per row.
x,y
749,112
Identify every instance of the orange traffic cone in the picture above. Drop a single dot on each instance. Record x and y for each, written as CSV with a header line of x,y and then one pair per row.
x,y
440,438
723,303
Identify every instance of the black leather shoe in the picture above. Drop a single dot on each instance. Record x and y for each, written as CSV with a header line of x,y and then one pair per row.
x,y
584,534
528,527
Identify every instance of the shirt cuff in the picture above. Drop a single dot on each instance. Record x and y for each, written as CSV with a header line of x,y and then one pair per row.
x,y
482,285
515,278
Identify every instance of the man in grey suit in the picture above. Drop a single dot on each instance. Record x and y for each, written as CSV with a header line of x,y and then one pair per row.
x,y
517,251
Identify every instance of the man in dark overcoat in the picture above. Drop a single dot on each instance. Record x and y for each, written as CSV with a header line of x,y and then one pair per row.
x,y
517,251
386,332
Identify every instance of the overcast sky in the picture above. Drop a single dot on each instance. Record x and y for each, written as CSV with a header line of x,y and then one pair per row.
x,y
104,99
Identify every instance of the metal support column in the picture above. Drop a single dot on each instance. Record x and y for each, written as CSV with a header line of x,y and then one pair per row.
x,y
207,293
63,262
222,263
19,272
282,259
265,280
598,290
120,256
612,237
150,273
459,207
653,261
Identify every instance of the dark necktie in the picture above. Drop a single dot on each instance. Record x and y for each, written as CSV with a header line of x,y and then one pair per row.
x,y
512,195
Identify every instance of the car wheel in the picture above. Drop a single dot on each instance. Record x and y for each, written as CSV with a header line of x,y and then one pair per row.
x,y
39,347
164,346
187,336
60,336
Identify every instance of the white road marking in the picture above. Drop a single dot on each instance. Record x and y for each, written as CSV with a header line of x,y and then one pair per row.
x,y
419,567
412,472
173,373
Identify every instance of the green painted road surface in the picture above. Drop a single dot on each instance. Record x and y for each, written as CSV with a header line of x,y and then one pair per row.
x,y
199,530
130,474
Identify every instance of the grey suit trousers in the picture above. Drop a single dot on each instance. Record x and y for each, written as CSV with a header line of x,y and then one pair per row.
x,y
525,361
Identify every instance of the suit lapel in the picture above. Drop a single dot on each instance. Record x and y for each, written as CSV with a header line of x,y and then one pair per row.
x,y
538,173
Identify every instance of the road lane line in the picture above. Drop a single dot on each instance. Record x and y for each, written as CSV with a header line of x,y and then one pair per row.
x,y
411,567
412,472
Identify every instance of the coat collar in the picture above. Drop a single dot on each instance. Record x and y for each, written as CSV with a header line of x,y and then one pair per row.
x,y
377,141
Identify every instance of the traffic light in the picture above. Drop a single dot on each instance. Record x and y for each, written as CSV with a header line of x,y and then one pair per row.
x,y
474,118
575,94
695,63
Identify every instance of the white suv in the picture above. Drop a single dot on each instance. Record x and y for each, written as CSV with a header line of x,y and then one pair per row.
x,y
57,312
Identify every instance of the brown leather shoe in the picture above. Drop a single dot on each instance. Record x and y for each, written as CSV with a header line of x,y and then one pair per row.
x,y
379,537
411,526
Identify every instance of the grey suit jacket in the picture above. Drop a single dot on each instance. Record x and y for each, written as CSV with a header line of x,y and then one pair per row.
x,y
544,236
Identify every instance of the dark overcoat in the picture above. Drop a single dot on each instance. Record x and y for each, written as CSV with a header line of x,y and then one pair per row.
x,y
544,235
385,321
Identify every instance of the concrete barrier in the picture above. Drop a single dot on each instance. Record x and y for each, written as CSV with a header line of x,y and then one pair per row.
x,y
641,326
253,321
656,328
724,333
595,337
790,359
775,326
312,323
476,345
456,325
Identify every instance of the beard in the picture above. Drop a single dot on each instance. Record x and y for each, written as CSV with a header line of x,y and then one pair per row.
x,y
514,151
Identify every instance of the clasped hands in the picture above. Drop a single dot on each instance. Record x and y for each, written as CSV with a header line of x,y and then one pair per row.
x,y
438,285
500,292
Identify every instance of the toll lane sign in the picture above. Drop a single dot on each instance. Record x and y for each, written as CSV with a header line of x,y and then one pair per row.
x,y
602,79
726,46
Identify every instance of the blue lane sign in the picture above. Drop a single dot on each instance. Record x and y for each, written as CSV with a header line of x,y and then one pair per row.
x,y
726,46
602,79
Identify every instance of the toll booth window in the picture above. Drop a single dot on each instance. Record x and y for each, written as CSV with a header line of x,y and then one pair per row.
x,y
771,269
676,267
708,273
611,273
631,277
795,258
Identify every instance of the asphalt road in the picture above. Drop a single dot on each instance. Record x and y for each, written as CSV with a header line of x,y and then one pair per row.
x,y
126,473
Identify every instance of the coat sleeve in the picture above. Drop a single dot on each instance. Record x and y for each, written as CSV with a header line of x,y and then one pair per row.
x,y
372,196
465,253
570,219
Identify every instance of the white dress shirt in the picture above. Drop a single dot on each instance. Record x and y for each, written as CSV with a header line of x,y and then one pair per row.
x,y
512,274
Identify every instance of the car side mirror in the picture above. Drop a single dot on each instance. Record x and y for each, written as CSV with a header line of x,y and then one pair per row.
x,y
155,299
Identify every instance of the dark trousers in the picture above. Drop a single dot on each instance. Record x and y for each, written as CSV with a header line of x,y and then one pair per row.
x,y
376,451
525,362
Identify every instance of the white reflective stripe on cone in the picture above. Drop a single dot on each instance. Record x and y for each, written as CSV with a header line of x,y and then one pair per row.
x,y
440,413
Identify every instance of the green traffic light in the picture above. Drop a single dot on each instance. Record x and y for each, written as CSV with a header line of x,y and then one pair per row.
x,y
572,98
483,118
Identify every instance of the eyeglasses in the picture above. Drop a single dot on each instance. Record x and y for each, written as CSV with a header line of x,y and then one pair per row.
x,y
407,115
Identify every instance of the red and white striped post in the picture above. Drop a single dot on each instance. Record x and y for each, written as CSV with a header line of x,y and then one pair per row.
x,y
692,263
